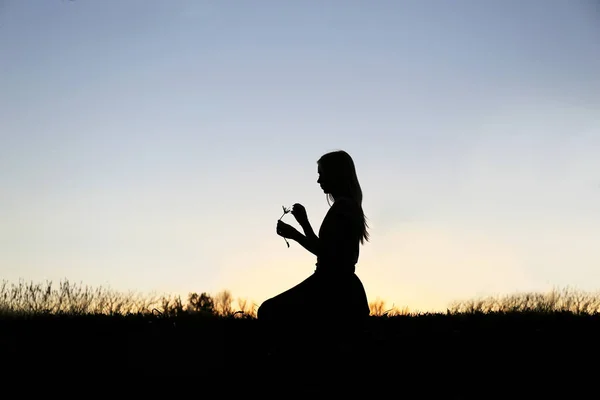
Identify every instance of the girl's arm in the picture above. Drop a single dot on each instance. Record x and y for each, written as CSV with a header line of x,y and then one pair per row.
x,y
310,243
308,230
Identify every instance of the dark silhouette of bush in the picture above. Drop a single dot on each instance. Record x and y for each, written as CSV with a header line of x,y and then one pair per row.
x,y
201,303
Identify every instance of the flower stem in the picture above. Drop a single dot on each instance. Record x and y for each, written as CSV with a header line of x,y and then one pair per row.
x,y
285,211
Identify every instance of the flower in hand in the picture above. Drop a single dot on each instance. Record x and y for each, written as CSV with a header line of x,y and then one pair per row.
x,y
285,230
285,211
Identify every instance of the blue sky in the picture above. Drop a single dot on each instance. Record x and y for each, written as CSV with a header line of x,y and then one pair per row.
x,y
150,145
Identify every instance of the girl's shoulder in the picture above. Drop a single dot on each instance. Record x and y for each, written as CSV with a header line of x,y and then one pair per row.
x,y
345,205
345,202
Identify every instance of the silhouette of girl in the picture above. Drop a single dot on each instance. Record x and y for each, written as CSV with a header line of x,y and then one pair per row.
x,y
342,231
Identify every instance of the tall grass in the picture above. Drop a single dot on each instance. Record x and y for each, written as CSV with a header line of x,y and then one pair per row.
x,y
556,300
66,298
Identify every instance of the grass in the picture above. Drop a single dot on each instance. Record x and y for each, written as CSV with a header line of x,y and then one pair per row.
x,y
67,298
76,328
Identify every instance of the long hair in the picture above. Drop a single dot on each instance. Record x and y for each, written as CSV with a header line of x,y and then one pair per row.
x,y
340,167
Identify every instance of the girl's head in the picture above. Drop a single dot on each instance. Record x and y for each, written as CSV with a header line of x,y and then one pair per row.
x,y
337,178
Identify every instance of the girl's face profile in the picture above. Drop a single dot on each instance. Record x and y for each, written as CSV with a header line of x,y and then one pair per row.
x,y
323,180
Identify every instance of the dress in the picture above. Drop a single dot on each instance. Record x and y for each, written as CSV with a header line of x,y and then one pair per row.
x,y
333,290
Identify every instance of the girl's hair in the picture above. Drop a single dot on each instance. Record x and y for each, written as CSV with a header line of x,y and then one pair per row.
x,y
340,167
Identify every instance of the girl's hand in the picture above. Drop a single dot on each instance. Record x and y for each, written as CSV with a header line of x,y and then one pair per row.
x,y
299,212
285,230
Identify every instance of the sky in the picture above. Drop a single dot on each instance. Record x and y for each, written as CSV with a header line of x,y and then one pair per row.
x,y
150,145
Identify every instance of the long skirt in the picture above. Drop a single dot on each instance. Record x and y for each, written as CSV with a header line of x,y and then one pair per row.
x,y
320,297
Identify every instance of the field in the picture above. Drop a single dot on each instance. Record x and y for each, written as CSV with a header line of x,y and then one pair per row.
x,y
536,340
